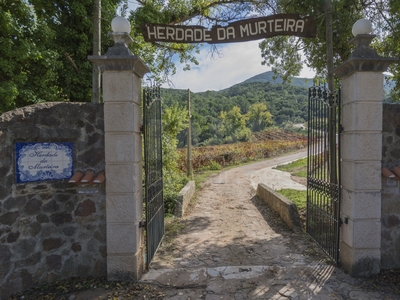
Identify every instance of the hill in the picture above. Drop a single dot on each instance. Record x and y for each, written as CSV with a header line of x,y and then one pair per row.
x,y
273,79
286,102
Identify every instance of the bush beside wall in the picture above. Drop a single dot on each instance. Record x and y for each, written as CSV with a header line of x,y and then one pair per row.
x,y
48,231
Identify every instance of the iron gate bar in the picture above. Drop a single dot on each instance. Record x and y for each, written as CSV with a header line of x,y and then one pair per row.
x,y
153,191
323,170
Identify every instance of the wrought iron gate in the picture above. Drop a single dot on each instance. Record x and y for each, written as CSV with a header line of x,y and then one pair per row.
x,y
323,170
153,191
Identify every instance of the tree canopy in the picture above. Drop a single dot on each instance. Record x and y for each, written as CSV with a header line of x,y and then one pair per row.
x,y
286,55
45,44
44,49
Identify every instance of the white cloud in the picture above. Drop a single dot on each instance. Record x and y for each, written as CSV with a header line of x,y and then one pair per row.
x,y
239,62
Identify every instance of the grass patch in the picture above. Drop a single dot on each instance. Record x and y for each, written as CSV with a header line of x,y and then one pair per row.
x,y
299,166
172,228
201,177
297,197
300,173
296,168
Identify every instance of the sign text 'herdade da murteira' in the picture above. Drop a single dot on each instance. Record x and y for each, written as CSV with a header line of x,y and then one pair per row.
x,y
240,31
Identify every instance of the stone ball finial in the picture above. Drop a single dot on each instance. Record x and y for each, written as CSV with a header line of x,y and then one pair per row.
x,y
120,24
362,26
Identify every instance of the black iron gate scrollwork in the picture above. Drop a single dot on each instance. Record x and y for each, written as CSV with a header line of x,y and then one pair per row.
x,y
153,190
323,170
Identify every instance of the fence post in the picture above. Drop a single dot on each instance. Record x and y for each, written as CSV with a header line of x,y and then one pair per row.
x,y
122,73
362,97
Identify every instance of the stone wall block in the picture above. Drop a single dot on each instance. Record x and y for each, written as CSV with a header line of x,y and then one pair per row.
x,y
362,146
85,208
61,218
30,260
118,264
92,157
361,204
120,179
122,238
9,218
51,207
367,234
119,87
25,247
362,116
13,236
390,203
364,175
390,220
52,243
33,207
54,262
120,117
363,86
122,208
123,147
368,86
360,262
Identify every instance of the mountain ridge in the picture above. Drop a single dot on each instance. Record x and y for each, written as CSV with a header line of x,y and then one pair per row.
x,y
270,77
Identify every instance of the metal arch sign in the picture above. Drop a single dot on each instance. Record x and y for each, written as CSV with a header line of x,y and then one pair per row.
x,y
239,31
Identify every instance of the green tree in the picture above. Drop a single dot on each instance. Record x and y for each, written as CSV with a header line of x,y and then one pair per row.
x,y
72,25
283,53
28,67
233,126
259,117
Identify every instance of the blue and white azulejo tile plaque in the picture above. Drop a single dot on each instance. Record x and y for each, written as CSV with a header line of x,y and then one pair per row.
x,y
44,161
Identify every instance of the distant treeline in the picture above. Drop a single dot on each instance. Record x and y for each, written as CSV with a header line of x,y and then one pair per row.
x,y
231,115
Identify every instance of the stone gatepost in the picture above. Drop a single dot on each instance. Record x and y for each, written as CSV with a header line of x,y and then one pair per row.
x,y
362,97
122,73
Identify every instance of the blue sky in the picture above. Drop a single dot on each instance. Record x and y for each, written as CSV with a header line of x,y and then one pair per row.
x,y
239,62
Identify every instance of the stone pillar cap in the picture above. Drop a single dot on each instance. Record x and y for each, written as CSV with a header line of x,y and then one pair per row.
x,y
363,58
120,63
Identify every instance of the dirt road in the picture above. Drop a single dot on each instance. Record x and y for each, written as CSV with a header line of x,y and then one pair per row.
x,y
234,247
227,226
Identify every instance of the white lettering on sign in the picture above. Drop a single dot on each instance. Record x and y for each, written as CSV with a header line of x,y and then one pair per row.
x,y
244,30
278,25
300,25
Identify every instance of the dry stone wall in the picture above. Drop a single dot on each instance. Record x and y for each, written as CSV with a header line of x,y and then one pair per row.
x,y
390,251
49,231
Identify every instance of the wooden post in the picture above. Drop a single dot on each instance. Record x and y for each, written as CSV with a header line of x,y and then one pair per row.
x,y
189,141
96,50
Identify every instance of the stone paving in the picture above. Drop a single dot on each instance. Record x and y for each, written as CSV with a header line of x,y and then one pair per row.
x,y
234,247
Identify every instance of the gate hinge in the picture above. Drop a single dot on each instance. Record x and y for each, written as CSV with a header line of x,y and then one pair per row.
x,y
346,221
142,224
341,128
